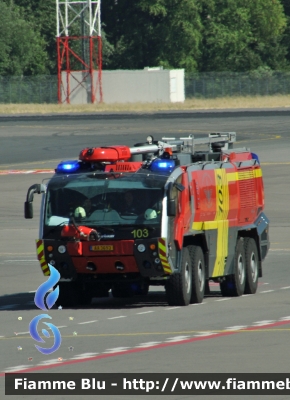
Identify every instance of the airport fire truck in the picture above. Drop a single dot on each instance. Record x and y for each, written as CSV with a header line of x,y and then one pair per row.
x,y
178,212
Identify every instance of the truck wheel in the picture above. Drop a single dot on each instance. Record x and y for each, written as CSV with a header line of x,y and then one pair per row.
x,y
198,274
179,286
234,285
252,260
239,278
122,291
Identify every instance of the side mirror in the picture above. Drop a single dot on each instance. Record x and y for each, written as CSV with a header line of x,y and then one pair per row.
x,y
28,210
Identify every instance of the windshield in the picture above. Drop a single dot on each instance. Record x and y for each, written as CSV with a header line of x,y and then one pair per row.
x,y
105,200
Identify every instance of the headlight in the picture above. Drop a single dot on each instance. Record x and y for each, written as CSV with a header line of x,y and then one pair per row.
x,y
141,248
61,249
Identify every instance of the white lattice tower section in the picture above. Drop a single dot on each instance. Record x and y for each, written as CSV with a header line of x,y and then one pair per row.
x,y
69,11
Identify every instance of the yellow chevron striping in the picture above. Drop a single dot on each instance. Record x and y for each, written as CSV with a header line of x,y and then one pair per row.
x,y
42,261
162,247
45,269
163,257
39,247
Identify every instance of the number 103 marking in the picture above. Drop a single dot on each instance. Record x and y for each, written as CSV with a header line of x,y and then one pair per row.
x,y
140,233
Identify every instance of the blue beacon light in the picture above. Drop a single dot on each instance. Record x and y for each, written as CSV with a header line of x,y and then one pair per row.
x,y
68,166
162,165
255,157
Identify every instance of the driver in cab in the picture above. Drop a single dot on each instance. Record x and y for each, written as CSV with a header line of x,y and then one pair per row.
x,y
87,205
129,204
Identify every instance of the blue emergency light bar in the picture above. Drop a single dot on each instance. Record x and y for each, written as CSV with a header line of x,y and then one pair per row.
x,y
68,166
255,157
162,165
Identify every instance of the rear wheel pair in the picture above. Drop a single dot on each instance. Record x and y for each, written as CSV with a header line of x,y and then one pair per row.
x,y
188,285
244,280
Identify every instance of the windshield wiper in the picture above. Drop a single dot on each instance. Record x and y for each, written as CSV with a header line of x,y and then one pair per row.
x,y
71,221
56,226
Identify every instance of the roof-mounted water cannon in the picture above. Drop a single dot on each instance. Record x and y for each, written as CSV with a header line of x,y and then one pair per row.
x,y
123,158
221,140
120,153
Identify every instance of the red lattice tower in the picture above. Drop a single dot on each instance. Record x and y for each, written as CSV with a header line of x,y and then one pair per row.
x,y
79,49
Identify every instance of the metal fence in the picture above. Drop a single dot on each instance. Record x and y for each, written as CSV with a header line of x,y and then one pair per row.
x,y
28,89
43,89
221,84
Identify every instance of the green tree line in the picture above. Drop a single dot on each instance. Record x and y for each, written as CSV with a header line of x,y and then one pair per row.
x,y
198,35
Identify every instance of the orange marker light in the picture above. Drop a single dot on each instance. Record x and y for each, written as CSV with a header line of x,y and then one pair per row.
x,y
49,248
152,246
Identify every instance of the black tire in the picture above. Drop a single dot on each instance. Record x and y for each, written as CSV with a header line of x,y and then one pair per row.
x,y
252,266
198,274
239,278
122,291
234,285
179,286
